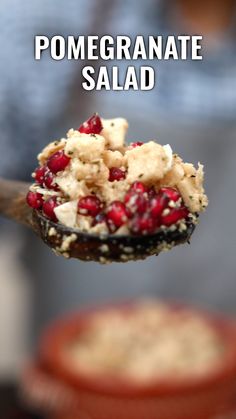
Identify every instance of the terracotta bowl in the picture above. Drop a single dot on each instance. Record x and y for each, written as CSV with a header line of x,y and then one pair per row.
x,y
51,385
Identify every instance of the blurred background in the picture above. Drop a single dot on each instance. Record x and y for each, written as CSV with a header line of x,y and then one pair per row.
x,y
193,107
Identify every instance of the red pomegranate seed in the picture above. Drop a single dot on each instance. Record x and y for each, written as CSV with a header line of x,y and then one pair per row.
x,y
143,224
49,206
174,215
92,126
49,181
89,205
116,174
34,200
136,202
170,193
137,144
151,193
138,187
58,162
39,174
116,215
157,204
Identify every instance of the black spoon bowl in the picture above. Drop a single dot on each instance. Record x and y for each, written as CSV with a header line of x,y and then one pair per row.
x,y
72,243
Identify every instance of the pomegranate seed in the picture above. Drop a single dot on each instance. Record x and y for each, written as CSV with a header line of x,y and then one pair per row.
x,y
49,181
138,187
49,206
157,204
116,215
170,193
174,215
136,202
100,218
89,205
92,126
143,224
116,174
151,193
39,174
58,162
137,144
34,200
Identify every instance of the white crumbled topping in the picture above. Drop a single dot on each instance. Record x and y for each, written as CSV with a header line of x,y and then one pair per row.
x,y
45,192
66,243
189,181
91,158
173,176
51,149
169,153
84,222
149,341
86,147
166,212
71,187
148,163
112,191
95,172
122,231
114,132
182,226
128,249
67,213
104,248
191,188
113,158
52,232
100,229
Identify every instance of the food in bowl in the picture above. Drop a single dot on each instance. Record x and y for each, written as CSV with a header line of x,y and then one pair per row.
x,y
152,341
143,359
92,181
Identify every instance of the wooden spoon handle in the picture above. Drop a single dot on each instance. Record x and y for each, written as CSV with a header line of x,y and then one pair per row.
x,y
12,201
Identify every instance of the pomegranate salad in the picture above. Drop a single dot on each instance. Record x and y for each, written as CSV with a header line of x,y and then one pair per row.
x,y
92,181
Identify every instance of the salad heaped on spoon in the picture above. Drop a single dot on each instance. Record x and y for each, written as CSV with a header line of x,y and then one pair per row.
x,y
91,181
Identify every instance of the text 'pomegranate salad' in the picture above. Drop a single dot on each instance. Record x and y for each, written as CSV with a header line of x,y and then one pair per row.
x,y
92,181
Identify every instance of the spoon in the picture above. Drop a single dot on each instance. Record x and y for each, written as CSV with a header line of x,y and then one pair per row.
x,y
72,243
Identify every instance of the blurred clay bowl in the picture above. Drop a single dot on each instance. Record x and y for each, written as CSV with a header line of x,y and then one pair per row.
x,y
51,386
